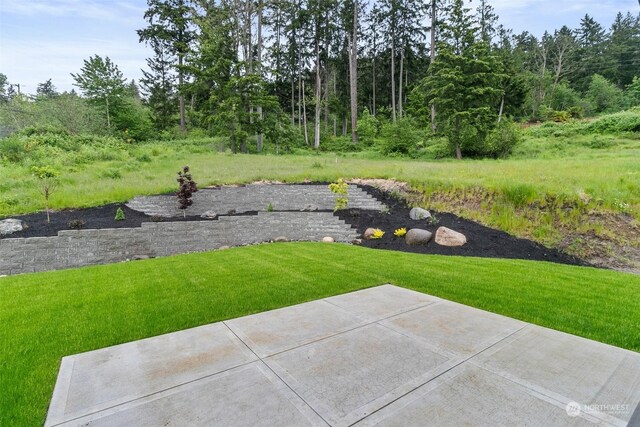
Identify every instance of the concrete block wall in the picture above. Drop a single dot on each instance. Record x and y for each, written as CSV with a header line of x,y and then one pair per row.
x,y
76,248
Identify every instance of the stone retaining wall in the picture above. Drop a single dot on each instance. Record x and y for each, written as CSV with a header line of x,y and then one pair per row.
x,y
252,198
76,248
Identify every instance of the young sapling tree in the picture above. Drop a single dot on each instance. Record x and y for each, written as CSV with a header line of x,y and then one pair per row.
x,y
119,215
340,188
47,182
186,190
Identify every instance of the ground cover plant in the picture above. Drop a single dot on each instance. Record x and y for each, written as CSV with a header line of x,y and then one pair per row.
x,y
46,316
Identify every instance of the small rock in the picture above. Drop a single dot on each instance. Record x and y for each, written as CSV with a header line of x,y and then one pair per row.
x,y
221,248
419,213
209,215
447,237
140,257
231,212
281,239
417,236
328,239
10,226
368,233
356,242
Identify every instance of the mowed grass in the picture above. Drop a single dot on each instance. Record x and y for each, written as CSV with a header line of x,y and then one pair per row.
x,y
46,316
611,180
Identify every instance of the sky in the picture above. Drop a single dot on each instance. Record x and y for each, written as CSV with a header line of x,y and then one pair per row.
x,y
49,39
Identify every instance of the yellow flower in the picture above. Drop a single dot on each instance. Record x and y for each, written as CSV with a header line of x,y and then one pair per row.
x,y
377,234
400,232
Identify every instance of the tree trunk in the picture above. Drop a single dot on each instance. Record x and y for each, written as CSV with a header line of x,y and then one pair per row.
x,y
316,136
501,109
304,116
433,56
259,68
353,74
393,80
300,98
183,119
293,101
325,96
400,84
335,115
373,106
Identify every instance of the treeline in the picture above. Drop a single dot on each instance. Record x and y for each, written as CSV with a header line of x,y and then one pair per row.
x,y
349,74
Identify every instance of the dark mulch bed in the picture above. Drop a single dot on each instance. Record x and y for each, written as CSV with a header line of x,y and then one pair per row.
x,y
481,241
97,217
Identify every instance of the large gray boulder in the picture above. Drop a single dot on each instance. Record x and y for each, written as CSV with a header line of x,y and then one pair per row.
x,y
419,213
417,236
448,237
9,226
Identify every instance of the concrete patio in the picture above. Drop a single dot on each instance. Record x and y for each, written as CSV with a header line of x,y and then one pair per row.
x,y
381,356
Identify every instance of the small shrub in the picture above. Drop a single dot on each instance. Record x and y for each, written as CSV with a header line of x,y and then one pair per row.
x,y
377,234
400,232
502,139
48,183
270,207
186,190
340,188
317,165
368,126
76,224
119,215
400,138
560,116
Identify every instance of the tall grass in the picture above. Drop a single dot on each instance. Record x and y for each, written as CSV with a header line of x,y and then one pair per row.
x,y
613,181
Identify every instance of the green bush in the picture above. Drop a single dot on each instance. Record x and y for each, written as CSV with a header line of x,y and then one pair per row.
x,y
502,139
400,138
13,149
368,127
436,148
339,144
625,121
604,95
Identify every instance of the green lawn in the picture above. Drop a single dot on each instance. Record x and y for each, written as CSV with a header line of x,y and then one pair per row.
x,y
46,316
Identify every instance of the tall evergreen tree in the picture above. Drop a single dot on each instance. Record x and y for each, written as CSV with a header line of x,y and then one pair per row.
x,y
170,25
463,82
158,85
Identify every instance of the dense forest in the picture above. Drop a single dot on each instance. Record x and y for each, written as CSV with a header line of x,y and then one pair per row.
x,y
277,75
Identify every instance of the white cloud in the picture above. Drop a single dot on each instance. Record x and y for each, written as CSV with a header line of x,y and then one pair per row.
x,y
32,62
104,11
